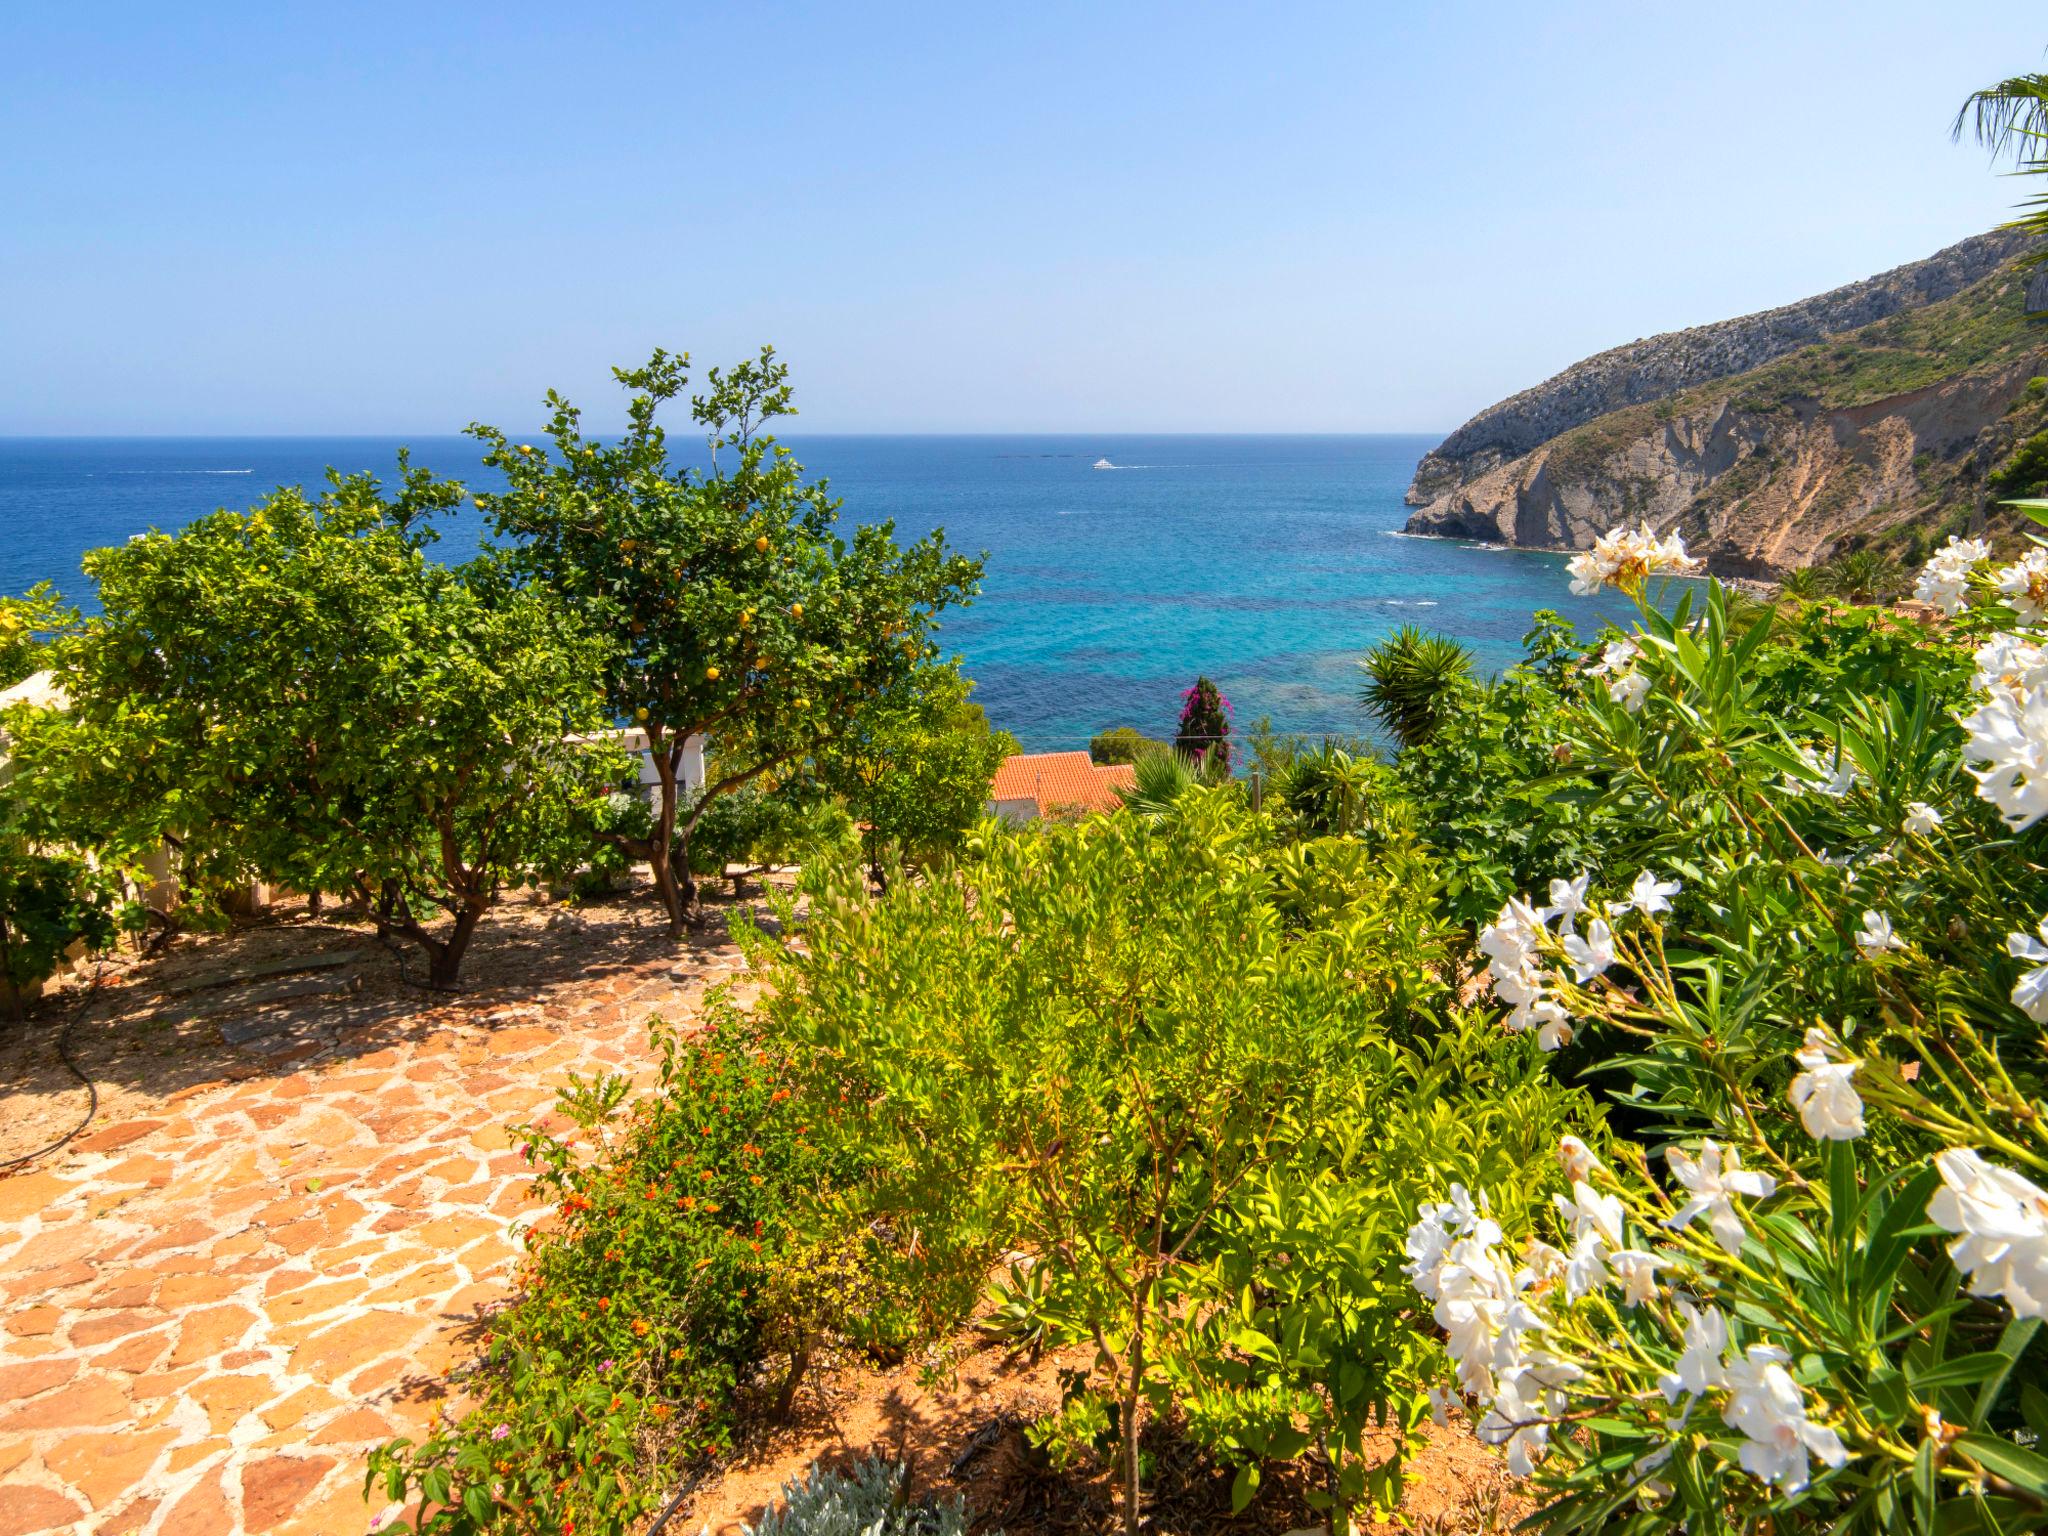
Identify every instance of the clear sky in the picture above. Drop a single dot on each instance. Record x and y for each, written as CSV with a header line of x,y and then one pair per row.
x,y
229,218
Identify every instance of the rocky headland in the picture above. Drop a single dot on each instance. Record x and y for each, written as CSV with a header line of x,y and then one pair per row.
x,y
1883,412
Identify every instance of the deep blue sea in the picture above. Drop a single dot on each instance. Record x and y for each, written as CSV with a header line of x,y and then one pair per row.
x,y
1268,563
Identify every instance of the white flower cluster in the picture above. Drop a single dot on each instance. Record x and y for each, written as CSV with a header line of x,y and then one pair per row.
x,y
2002,1224
2030,992
1624,557
1824,1092
2009,730
1625,685
1512,944
1492,1311
1490,1320
1764,1403
1945,578
2024,586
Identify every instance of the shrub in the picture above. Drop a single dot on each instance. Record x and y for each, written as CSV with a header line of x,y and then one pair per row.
x,y
1824,1312
1101,1046
690,1255
1122,744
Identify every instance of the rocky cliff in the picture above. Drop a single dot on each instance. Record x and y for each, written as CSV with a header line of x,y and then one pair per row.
x,y
1859,416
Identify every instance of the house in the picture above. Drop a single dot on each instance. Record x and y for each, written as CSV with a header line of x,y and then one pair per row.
x,y
1041,784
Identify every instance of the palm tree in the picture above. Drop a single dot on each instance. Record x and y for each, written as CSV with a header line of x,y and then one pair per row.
x,y
1409,679
1802,583
2011,119
1159,779
1863,576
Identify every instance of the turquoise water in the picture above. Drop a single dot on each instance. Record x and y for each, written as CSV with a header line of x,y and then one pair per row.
x,y
1269,563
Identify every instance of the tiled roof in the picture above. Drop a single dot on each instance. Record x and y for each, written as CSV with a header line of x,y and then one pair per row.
x,y
1062,779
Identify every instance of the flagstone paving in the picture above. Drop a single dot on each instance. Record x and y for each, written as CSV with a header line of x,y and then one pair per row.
x,y
211,1310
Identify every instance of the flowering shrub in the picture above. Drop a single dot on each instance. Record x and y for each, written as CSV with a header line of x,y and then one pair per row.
x,y
1809,1292
688,1259
1204,735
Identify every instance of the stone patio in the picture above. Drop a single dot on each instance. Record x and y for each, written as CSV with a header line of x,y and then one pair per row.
x,y
218,1300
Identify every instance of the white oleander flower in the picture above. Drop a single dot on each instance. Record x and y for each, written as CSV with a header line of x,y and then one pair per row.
x,y
1615,656
1876,936
1589,1211
1586,1270
1921,819
1544,1261
2030,992
1512,936
2001,1222
2024,584
1592,954
1705,1336
1648,895
1766,1405
1711,1180
1629,690
1577,1159
2009,736
1637,1272
1567,898
1823,1093
1945,578
2008,663
1553,1025
1624,556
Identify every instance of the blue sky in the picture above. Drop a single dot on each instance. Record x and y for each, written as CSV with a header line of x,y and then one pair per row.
x,y
1351,217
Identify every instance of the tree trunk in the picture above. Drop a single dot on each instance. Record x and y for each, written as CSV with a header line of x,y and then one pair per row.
x,y
1133,1400
444,957
676,898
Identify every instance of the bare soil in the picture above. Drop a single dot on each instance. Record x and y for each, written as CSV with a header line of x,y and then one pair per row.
x,y
957,1420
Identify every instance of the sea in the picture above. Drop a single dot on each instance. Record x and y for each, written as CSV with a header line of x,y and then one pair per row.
x,y
1268,564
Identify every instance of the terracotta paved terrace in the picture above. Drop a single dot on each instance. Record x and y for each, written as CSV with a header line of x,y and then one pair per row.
x,y
293,1212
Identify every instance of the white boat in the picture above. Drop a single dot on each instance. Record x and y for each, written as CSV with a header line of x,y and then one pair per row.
x,y
1104,464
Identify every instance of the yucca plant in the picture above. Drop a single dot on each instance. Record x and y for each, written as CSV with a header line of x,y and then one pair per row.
x,y
1410,677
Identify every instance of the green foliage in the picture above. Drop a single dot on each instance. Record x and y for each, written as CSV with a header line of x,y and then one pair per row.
x,y
49,901
1412,680
688,1255
766,824
1157,783
2025,471
28,625
1099,1046
298,694
741,613
1122,744
915,767
1863,576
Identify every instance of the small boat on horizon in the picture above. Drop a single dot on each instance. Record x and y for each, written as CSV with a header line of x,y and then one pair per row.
x,y
1104,464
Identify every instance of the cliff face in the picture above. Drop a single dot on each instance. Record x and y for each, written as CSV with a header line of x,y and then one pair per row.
x,y
1767,440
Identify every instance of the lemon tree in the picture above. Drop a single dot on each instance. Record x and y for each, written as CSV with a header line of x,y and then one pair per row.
x,y
736,612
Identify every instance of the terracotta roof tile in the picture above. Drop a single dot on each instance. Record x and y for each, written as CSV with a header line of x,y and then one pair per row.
x,y
1062,779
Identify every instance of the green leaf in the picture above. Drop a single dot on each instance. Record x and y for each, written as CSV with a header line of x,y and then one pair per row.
x,y
2023,1469
1243,1487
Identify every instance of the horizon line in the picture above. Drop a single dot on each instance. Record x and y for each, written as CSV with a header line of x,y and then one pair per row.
x,y
130,437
